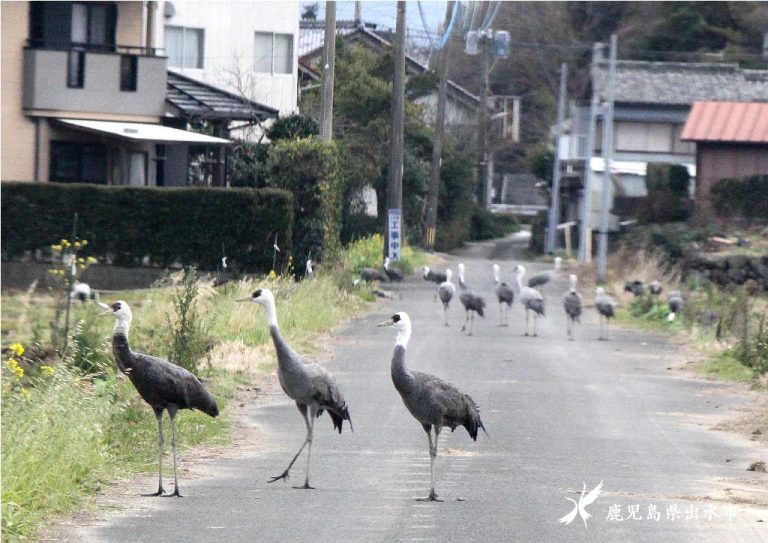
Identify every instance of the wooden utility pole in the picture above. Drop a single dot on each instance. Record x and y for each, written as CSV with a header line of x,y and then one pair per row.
x,y
482,122
554,204
602,240
397,137
358,13
428,240
329,61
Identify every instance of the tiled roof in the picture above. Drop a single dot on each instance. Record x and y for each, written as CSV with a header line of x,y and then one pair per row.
x,y
676,83
192,98
741,122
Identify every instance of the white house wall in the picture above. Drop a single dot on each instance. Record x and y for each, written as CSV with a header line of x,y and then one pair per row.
x,y
228,54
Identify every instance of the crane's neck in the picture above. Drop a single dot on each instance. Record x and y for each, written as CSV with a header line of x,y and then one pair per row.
x,y
271,311
121,327
520,274
496,278
403,336
120,347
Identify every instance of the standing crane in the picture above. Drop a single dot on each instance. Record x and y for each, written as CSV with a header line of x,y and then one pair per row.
x,y
655,288
372,274
606,307
312,387
504,294
572,305
531,299
394,274
433,402
543,278
163,385
462,283
433,277
83,292
472,302
446,291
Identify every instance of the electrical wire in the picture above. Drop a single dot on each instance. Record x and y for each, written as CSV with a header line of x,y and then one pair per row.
x,y
492,17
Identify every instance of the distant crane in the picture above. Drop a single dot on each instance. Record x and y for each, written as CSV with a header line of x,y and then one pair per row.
x,y
433,277
462,283
531,299
543,278
164,386
504,294
655,288
432,401
372,274
606,308
473,303
394,274
675,302
83,292
635,287
309,270
572,305
446,291
312,387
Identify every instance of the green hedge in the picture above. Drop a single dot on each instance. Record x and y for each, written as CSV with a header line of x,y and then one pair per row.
x,y
746,198
194,226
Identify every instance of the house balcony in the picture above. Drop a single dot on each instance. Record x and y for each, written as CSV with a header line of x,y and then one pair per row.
x,y
121,80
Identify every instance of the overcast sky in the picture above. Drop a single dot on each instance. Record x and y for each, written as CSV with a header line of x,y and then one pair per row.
x,y
385,13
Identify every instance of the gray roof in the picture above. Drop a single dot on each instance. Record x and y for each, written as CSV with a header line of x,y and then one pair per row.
x,y
677,83
194,99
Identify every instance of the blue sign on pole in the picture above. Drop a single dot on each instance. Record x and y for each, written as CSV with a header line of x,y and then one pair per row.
x,y
395,235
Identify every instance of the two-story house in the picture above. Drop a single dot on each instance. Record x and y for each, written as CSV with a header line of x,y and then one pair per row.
x,y
84,95
652,101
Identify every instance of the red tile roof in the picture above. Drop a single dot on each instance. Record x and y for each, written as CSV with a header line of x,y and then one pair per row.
x,y
743,122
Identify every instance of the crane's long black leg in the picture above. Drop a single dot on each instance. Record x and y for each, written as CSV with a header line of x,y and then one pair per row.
x,y
310,435
464,326
172,415
303,410
159,417
445,313
535,320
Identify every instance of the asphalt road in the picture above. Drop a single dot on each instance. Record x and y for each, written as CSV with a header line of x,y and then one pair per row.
x,y
560,414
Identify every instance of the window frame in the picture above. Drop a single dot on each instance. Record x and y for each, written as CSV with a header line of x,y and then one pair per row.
x,y
200,47
76,80
77,150
273,36
129,82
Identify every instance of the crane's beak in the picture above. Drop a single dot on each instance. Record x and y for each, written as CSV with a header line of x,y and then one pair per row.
x,y
388,322
107,313
246,299
102,305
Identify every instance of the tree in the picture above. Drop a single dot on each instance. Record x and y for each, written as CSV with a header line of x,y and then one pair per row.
x,y
310,12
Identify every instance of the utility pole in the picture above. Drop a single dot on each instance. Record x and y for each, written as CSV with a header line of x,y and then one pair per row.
x,y
585,232
437,147
482,121
358,13
329,57
554,206
394,232
602,240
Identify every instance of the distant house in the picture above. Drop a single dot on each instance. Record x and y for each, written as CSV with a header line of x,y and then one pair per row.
x,y
652,102
731,143
461,107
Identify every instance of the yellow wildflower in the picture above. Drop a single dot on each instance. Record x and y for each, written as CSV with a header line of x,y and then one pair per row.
x,y
13,365
56,247
84,242
47,370
17,348
25,392
91,260
272,275
81,260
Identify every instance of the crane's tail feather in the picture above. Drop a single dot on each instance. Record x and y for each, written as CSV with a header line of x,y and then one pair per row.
x,y
339,417
472,421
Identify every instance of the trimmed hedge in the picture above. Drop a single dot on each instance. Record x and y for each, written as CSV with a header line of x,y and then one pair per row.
x,y
189,225
746,198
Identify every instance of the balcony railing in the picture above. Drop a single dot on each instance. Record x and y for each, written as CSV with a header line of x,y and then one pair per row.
x,y
97,48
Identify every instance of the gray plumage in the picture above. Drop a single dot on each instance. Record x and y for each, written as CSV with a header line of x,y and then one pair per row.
x,y
655,288
433,402
504,294
393,274
675,302
83,292
530,298
433,276
371,274
163,385
472,304
312,387
445,291
546,276
572,305
606,308
635,287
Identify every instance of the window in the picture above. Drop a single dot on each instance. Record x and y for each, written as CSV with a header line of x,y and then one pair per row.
x,y
78,162
644,137
128,72
75,69
184,47
273,53
137,169
93,24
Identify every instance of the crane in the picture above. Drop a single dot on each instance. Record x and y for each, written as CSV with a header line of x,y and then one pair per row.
x,y
531,299
446,290
311,386
544,277
163,385
433,402
504,294
606,307
572,305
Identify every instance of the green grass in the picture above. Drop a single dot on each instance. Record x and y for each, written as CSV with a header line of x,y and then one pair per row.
x,y
726,366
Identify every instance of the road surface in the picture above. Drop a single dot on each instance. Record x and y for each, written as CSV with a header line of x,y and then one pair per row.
x,y
562,415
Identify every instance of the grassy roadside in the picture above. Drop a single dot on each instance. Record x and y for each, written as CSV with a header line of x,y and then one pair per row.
x,y
67,433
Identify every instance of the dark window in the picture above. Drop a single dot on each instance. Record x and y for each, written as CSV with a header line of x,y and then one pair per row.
x,y
59,25
76,69
93,24
128,72
78,162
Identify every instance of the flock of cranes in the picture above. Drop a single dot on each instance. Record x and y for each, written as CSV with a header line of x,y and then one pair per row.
x,y
432,401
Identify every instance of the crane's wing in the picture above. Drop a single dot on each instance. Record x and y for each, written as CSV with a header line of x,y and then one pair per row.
x,y
593,494
567,519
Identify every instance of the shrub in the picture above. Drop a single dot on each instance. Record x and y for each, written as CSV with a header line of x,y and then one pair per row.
x,y
310,170
188,338
746,198
487,225
190,225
